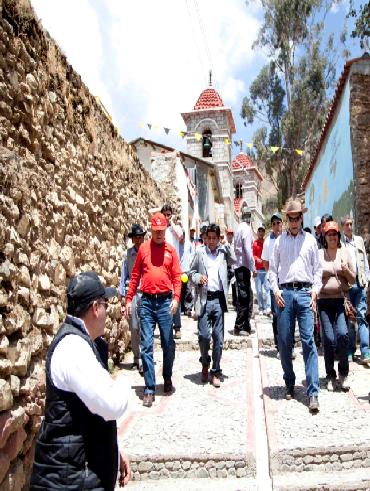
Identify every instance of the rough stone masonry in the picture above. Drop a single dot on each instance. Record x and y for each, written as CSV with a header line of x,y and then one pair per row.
x,y
70,188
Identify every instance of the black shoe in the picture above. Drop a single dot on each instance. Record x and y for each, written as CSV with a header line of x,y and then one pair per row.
x,y
141,369
314,404
167,386
148,400
289,393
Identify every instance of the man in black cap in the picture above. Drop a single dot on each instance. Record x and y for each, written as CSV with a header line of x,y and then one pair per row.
x,y
137,236
77,444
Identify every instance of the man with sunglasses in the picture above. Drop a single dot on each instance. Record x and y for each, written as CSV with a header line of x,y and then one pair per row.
x,y
268,246
296,279
77,443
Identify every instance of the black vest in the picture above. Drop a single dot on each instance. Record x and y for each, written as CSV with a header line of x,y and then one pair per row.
x,y
75,449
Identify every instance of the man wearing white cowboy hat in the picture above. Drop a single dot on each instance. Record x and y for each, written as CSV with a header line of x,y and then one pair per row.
x,y
296,279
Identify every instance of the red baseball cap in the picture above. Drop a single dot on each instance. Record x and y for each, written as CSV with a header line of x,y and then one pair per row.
x,y
159,221
330,226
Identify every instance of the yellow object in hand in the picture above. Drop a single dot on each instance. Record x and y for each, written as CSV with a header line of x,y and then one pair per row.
x,y
184,278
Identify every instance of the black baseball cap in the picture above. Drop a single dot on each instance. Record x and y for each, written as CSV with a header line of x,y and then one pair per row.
x,y
136,229
277,216
83,289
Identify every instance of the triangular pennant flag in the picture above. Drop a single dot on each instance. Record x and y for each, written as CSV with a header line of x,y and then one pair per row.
x,y
249,145
166,130
141,125
183,133
299,152
274,149
227,141
236,143
149,126
155,127
198,136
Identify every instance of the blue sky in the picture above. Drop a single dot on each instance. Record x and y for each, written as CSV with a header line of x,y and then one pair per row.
x,y
148,60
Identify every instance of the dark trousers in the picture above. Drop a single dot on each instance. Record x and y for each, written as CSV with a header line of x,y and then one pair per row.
x,y
334,335
243,287
274,311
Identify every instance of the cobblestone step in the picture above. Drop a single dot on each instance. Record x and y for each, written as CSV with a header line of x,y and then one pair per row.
x,y
239,343
229,484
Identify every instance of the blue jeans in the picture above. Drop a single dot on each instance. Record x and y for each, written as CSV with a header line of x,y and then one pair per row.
x,y
334,335
357,296
151,312
297,306
262,286
211,320
177,318
274,311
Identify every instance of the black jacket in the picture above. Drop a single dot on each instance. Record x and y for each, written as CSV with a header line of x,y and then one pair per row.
x,y
75,449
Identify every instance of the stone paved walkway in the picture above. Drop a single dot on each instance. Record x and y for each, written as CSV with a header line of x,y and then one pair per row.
x,y
203,432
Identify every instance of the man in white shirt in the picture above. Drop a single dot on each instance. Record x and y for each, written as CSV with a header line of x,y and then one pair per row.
x,y
268,246
296,279
244,266
208,272
77,442
173,236
357,293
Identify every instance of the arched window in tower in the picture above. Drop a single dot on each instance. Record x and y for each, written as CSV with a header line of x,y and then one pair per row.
x,y
238,190
207,144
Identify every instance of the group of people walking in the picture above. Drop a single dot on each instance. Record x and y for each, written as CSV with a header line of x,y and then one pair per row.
x,y
304,276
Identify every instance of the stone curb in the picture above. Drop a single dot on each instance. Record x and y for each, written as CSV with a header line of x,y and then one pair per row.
x,y
320,459
231,344
196,466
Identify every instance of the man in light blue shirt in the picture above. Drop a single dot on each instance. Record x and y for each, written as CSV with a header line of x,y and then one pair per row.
x,y
137,236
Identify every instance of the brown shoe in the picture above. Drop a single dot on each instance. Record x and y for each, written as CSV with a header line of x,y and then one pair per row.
x,y
205,373
167,386
215,381
148,400
177,334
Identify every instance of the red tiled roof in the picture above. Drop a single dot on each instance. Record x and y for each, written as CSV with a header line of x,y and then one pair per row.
x,y
242,161
237,204
338,92
209,98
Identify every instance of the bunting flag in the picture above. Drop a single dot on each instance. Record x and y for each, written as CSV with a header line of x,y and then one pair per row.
x,y
227,141
166,130
299,152
274,149
198,136
183,133
249,145
237,144
149,126
141,124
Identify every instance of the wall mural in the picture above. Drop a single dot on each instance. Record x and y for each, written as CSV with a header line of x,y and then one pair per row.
x,y
331,188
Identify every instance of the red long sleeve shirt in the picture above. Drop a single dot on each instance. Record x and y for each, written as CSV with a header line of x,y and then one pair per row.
x,y
158,268
257,253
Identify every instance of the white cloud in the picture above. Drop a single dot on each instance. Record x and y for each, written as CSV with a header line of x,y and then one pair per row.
x,y
156,54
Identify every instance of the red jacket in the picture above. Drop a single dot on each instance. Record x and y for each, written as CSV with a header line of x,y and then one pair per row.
x,y
257,253
158,268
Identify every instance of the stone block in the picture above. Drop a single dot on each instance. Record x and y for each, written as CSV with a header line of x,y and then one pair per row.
x,y
145,466
4,344
241,472
5,367
6,397
201,473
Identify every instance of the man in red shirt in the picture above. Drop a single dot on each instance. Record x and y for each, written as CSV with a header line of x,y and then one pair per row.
x,y
263,296
157,270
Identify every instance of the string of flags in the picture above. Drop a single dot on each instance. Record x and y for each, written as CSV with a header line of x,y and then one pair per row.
x,y
227,141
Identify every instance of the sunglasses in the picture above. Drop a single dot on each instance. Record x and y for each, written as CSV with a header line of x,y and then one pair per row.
x,y
275,223
103,302
294,219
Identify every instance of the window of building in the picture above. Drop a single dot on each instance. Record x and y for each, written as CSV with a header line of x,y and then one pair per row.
x,y
207,144
238,190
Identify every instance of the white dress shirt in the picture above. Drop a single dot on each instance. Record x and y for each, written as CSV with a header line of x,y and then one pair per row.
x,y
214,282
75,368
243,247
268,247
295,258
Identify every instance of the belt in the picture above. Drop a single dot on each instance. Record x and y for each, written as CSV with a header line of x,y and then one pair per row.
x,y
155,296
296,285
212,295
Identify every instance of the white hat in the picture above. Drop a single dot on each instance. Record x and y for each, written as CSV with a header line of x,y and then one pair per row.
x,y
317,221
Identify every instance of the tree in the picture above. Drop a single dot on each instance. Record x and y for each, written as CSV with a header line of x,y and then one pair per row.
x,y
362,23
289,94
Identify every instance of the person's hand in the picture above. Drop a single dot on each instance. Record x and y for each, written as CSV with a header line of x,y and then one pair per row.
x,y
125,470
313,301
128,310
254,274
173,307
345,268
279,299
203,280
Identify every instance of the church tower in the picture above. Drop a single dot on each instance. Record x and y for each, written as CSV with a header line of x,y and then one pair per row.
x,y
210,126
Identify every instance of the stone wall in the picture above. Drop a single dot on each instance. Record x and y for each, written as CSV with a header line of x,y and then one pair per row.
x,y
360,131
70,188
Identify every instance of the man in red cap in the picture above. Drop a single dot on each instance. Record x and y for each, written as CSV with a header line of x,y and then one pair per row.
x,y
157,269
